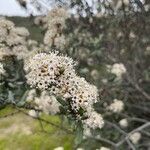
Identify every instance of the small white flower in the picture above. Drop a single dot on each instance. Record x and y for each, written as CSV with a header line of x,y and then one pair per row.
x,y
135,137
118,69
59,148
132,35
95,74
104,81
86,132
33,113
104,148
123,123
79,149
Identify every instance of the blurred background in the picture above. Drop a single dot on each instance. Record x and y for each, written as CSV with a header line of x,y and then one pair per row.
x,y
110,40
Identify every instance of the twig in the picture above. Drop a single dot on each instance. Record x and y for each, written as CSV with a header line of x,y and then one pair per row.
x,y
48,122
11,114
106,141
138,88
135,130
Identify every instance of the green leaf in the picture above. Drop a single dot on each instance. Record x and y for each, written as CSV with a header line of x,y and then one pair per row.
x,y
79,134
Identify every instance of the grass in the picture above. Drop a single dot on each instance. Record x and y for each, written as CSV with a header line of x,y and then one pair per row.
x,y
21,132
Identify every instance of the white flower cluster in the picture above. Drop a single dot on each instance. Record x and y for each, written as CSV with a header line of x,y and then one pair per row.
x,y
117,106
48,104
56,22
12,39
45,103
135,137
118,69
2,71
56,74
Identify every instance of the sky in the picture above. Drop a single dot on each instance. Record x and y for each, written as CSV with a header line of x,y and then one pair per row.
x,y
12,8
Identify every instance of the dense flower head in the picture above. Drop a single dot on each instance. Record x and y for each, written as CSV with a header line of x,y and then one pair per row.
x,y
56,74
46,69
